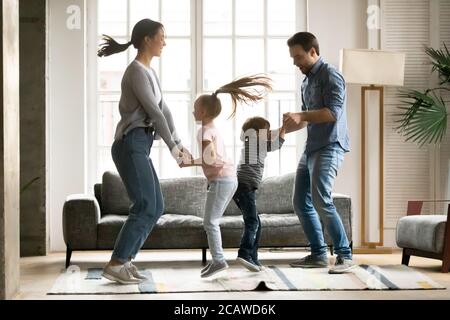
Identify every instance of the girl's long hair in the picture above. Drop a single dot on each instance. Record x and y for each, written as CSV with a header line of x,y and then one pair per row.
x,y
247,90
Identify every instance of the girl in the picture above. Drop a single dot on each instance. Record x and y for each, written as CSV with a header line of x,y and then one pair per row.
x,y
143,112
217,168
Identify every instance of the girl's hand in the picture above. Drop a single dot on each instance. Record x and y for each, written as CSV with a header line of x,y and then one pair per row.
x,y
185,165
177,154
186,153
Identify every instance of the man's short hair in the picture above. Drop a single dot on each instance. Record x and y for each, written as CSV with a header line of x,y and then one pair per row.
x,y
305,39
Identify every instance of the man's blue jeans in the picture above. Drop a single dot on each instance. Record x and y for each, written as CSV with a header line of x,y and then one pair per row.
x,y
131,157
312,199
246,202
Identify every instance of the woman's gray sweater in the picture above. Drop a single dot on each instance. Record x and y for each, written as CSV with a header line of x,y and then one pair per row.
x,y
138,106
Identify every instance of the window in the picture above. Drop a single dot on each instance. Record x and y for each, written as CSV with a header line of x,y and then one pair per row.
x,y
232,39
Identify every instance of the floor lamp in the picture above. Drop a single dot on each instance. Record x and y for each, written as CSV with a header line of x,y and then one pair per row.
x,y
373,69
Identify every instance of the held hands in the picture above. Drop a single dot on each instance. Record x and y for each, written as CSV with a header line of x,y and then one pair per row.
x,y
291,121
187,154
182,156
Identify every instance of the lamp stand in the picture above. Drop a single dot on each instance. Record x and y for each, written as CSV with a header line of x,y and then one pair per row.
x,y
366,246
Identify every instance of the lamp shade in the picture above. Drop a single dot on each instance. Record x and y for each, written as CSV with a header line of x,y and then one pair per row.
x,y
372,67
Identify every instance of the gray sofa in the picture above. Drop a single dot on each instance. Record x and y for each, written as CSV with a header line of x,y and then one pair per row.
x,y
92,222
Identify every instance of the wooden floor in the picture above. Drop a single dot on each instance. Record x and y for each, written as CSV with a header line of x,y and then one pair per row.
x,y
39,273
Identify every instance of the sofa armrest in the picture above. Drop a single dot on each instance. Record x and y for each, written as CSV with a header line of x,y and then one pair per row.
x,y
343,205
81,215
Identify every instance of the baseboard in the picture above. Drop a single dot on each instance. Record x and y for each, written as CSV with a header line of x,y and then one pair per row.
x,y
376,250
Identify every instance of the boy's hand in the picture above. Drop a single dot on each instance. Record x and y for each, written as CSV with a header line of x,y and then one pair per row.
x,y
282,131
292,119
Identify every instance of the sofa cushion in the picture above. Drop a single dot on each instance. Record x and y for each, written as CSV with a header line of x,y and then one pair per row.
x,y
275,194
181,195
422,232
278,230
186,196
171,231
115,198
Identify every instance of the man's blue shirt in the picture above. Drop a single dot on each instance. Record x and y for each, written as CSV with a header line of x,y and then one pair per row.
x,y
323,87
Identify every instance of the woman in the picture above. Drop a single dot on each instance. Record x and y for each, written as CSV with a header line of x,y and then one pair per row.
x,y
143,112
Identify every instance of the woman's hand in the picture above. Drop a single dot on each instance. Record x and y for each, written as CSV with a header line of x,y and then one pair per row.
x,y
186,153
177,154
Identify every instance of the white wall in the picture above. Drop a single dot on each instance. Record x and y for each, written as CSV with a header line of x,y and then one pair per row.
x,y
342,24
67,112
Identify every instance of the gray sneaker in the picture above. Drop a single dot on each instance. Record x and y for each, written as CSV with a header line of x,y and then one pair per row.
x,y
342,265
249,264
214,268
206,268
310,261
123,276
135,272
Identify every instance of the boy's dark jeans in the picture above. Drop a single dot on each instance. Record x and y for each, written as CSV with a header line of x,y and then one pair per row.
x,y
246,202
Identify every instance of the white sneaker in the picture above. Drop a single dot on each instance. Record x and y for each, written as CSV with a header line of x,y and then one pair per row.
x,y
134,271
122,276
342,265
249,264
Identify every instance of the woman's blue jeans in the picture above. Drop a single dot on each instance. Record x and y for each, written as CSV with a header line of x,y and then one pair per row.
x,y
131,155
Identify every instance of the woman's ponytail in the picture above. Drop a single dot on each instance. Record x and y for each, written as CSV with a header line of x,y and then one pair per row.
x,y
111,46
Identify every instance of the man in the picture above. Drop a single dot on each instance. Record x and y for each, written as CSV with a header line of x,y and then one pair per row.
x,y
324,115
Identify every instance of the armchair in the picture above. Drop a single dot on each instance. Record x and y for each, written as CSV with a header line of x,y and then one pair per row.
x,y
424,235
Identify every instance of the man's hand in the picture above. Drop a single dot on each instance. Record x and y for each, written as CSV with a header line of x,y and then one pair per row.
x,y
292,121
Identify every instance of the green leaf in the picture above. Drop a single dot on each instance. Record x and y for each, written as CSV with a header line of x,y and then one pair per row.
x,y
423,119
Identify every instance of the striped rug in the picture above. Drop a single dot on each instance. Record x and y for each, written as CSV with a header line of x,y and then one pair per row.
x,y
282,277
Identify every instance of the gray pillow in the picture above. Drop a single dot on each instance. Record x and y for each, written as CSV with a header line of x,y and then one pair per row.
x,y
275,194
184,195
115,198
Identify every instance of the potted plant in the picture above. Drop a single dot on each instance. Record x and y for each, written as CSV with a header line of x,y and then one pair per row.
x,y
423,117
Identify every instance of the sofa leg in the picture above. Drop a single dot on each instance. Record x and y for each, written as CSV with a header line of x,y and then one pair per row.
x,y
446,262
331,249
445,266
68,256
203,256
405,258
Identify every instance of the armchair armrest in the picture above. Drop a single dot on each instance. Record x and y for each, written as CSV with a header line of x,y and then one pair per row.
x,y
81,215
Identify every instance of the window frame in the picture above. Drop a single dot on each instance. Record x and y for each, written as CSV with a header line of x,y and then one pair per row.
x,y
197,38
